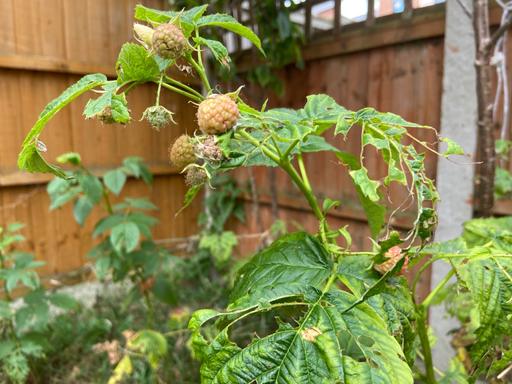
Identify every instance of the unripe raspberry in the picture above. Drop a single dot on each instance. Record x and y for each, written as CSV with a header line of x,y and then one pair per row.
x,y
144,34
393,256
158,116
195,176
217,114
105,116
209,150
169,41
182,152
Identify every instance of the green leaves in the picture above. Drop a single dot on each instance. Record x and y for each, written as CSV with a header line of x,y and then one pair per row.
x,y
125,236
290,265
326,345
116,103
30,158
135,64
114,180
220,246
369,188
219,50
230,23
452,147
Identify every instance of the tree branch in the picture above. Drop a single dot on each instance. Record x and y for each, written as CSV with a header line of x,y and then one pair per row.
x,y
489,46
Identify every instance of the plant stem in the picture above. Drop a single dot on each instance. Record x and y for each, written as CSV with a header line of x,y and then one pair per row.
x,y
182,92
428,300
184,86
108,204
3,265
159,90
201,72
425,344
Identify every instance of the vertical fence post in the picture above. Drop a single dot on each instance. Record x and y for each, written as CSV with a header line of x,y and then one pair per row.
x,y
337,16
370,13
408,7
307,22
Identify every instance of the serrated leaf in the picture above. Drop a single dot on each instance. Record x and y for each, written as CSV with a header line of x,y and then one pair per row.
x,y
219,50
91,186
231,24
369,187
135,64
327,345
115,180
125,237
296,257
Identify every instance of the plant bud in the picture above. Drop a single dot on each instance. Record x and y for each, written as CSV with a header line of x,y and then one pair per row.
x,y
144,34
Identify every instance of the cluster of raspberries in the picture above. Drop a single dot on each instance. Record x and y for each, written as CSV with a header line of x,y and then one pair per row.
x,y
215,115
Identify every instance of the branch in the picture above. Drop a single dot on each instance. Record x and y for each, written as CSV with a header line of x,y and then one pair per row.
x,y
465,9
497,34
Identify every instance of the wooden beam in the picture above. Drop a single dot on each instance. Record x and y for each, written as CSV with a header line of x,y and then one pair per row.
x,y
307,22
337,16
49,64
370,12
18,178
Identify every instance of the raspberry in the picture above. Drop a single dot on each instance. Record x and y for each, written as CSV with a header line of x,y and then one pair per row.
x,y
169,41
144,34
393,256
209,150
105,116
217,114
182,152
195,176
158,116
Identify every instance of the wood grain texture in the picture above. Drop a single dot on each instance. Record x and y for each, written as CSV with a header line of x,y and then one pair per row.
x,y
45,45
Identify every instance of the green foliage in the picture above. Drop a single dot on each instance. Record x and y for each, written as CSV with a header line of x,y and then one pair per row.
x,y
340,315
482,261
22,326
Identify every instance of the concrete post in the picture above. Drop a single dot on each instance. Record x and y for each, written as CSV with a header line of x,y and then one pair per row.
x,y
458,122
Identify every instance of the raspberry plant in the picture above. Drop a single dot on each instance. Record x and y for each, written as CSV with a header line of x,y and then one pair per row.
x,y
342,316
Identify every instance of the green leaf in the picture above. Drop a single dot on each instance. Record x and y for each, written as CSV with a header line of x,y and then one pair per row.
x,y
344,123
136,167
327,345
291,265
456,373
135,64
190,196
369,187
187,19
231,24
452,147
151,344
30,159
109,99
125,236
82,209
220,246
63,301
219,50
107,223
91,186
114,180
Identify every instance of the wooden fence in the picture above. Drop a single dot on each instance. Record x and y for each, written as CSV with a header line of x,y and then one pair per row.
x,y
45,45
394,63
